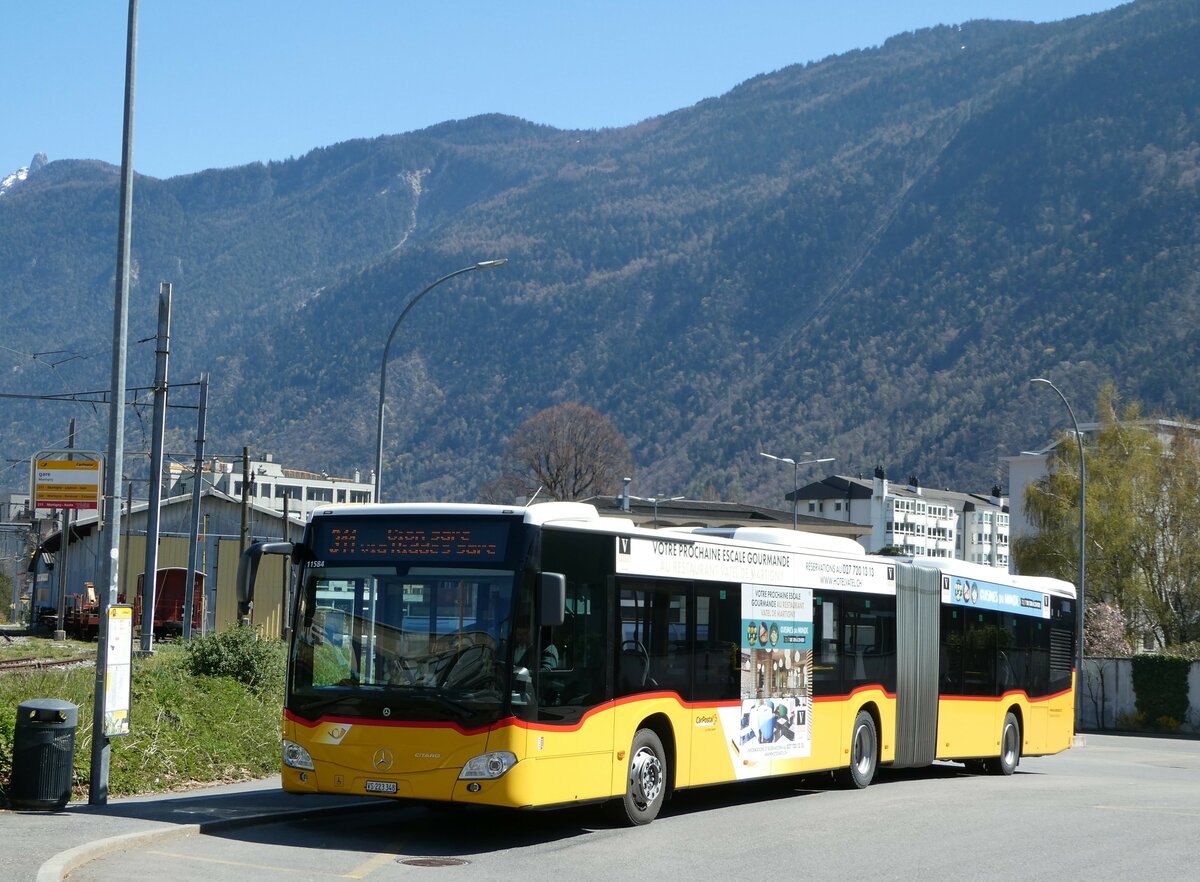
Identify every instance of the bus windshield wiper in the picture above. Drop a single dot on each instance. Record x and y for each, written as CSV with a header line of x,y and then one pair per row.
x,y
311,705
463,708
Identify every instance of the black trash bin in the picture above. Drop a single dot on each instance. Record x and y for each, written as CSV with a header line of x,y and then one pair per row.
x,y
43,754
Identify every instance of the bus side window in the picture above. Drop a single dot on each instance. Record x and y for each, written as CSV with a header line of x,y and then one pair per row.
x,y
827,675
869,631
584,640
716,661
653,638
951,652
979,656
578,677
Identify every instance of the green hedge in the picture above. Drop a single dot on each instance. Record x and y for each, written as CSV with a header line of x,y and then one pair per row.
x,y
1161,685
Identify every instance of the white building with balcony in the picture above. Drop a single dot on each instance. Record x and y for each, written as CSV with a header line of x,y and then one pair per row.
x,y
915,519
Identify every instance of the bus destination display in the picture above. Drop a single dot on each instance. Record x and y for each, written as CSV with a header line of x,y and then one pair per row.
x,y
443,541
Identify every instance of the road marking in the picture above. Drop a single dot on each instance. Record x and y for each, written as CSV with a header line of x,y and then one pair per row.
x,y
208,860
368,867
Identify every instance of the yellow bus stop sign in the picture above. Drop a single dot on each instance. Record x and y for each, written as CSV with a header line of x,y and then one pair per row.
x,y
67,479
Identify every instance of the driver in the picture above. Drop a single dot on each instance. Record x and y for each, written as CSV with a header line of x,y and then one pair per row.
x,y
525,653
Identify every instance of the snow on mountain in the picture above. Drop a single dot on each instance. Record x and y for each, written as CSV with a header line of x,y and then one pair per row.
x,y
17,176
9,181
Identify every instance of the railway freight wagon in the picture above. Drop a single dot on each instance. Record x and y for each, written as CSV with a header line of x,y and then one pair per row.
x,y
169,599
82,618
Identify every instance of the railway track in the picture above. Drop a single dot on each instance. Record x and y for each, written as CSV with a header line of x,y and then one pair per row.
x,y
34,664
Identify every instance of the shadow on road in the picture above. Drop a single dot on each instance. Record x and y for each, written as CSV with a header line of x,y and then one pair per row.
x,y
457,831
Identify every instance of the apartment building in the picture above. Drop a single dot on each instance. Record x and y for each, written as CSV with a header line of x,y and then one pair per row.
x,y
914,519
271,484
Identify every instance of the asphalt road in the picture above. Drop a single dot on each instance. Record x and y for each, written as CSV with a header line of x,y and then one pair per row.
x,y
1113,808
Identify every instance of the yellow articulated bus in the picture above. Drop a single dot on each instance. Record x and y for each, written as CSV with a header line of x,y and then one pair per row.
x,y
545,656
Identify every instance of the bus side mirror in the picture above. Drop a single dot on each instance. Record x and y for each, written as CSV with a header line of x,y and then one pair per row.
x,y
553,588
248,571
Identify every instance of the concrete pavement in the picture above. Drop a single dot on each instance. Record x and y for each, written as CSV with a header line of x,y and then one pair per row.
x,y
46,846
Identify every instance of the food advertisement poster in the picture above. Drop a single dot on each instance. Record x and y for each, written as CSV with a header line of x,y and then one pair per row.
x,y
773,721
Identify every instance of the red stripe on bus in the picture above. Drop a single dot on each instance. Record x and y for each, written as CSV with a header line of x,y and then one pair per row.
x,y
871,687
511,721
1012,693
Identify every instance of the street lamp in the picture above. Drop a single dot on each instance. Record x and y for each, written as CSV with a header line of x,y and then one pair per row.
x,y
1082,513
483,264
657,499
796,476
653,500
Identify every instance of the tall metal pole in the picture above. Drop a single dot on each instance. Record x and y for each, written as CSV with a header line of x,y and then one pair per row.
x,y
110,545
244,535
286,618
128,542
162,359
796,478
63,552
387,348
1082,553
189,598
795,495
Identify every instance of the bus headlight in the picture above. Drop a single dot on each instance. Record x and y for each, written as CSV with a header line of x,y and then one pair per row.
x,y
295,756
489,765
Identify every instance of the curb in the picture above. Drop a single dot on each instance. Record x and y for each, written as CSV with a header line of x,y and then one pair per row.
x,y
60,865
57,868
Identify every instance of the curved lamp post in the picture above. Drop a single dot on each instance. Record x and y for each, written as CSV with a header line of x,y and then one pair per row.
x,y
1082,513
387,349
796,476
653,500
657,499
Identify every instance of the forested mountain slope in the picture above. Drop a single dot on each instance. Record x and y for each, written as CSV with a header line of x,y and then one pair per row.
x,y
866,257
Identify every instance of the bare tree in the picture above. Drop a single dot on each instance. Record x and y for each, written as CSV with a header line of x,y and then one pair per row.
x,y
570,450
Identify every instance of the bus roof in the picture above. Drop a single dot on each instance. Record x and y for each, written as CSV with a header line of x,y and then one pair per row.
x,y
584,516
967,570
542,513
795,539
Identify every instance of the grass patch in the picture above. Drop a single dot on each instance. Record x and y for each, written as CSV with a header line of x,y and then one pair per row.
x,y
185,729
45,649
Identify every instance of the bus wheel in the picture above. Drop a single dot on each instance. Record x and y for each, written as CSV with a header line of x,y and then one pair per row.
x,y
647,782
1010,748
864,754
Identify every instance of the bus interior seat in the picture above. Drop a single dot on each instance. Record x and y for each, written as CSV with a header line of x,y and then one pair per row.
x,y
633,671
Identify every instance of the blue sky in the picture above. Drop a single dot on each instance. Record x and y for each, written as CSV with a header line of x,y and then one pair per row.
x,y
223,83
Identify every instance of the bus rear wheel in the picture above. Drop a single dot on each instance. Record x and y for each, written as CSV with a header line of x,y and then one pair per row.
x,y
864,754
1010,748
646,784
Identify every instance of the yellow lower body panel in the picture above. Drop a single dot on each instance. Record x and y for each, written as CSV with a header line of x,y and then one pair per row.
x,y
972,727
588,760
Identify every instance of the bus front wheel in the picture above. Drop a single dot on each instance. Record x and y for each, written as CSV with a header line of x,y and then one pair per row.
x,y
1010,748
646,783
864,753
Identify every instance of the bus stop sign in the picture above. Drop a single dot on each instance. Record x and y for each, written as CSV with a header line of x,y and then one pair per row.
x,y
66,479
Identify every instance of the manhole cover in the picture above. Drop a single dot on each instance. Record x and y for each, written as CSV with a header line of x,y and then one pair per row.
x,y
432,862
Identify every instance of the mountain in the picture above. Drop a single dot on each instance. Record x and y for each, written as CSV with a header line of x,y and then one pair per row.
x,y
21,174
866,257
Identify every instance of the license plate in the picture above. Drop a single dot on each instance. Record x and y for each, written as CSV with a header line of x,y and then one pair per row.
x,y
381,787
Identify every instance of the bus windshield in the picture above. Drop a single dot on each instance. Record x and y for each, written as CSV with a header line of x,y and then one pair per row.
x,y
402,642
